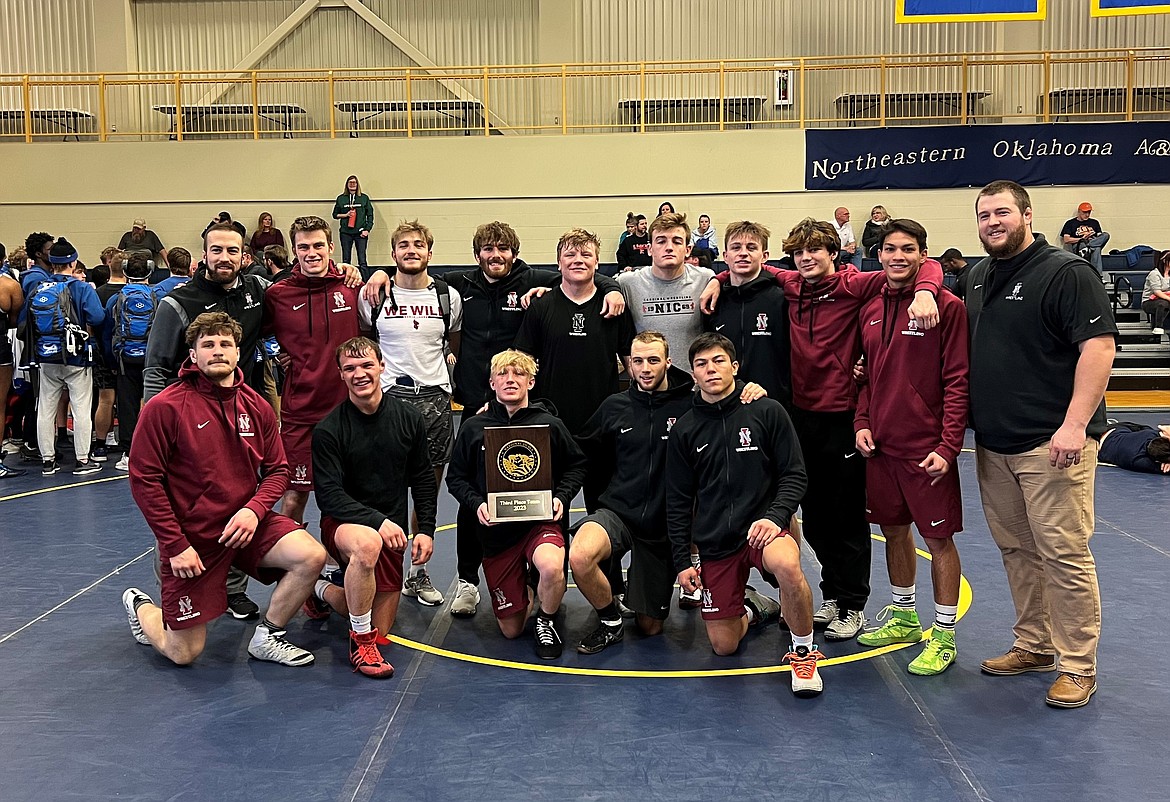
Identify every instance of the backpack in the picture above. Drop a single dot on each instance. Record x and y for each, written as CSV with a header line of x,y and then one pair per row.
x,y
442,290
132,316
54,328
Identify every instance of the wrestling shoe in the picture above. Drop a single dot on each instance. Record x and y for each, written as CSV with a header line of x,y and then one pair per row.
x,y
131,598
764,609
825,614
271,645
903,627
691,600
806,680
548,641
937,656
316,609
466,599
600,638
419,587
242,608
366,657
846,626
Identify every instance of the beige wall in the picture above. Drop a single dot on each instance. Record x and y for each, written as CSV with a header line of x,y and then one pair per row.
x,y
541,185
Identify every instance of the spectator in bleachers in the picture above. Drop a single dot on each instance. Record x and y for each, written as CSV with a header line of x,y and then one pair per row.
x,y
225,217
955,270
266,234
666,207
1156,295
634,252
276,260
704,238
850,252
631,224
1083,236
873,230
1136,447
141,238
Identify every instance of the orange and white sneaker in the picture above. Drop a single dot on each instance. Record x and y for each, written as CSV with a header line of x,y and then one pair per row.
x,y
806,680
366,657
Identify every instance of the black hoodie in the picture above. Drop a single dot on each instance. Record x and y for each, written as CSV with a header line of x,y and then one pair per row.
x,y
729,465
491,318
466,475
626,440
754,316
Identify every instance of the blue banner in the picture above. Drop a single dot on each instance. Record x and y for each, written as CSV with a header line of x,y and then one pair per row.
x,y
1117,8
974,155
969,10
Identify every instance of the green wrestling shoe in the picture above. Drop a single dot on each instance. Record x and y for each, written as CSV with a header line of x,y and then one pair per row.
x,y
903,627
937,656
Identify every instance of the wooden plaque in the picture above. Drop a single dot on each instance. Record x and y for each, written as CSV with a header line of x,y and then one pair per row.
x,y
518,467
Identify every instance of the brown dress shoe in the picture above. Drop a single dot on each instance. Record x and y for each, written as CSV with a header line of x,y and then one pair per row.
x,y
1018,661
1071,690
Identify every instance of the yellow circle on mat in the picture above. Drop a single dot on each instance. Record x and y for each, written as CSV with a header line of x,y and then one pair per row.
x,y
964,606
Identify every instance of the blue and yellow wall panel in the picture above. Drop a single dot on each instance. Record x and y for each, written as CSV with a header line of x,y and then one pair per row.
x,y
972,10
1119,8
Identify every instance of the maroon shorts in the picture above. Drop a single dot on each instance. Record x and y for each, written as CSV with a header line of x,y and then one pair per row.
x,y
388,569
298,450
724,582
200,600
507,572
899,493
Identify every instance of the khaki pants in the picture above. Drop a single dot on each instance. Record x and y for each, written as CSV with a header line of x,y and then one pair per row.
x,y
1042,519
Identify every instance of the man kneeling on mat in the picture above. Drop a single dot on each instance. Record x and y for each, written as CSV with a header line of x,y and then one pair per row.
x,y
513,552
206,467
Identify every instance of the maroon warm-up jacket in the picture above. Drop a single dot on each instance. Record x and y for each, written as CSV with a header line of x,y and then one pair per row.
x,y
201,453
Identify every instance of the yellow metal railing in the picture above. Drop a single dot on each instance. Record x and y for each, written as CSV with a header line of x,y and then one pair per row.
x,y
880,90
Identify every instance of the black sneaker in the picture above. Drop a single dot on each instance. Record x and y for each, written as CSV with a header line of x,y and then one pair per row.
x,y
548,641
242,608
764,609
49,467
100,452
86,468
9,473
599,638
30,453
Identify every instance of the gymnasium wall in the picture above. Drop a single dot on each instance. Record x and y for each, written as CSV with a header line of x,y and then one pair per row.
x,y
90,192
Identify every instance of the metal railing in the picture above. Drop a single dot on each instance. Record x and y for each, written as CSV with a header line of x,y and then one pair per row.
x,y
883,90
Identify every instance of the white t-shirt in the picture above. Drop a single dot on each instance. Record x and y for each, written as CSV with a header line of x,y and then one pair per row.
x,y
670,307
845,232
410,332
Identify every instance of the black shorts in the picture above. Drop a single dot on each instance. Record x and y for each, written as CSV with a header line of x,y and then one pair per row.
x,y
104,378
650,582
5,350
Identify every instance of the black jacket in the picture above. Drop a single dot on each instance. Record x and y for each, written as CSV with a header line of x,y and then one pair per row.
x,y
626,441
754,316
491,318
466,475
166,346
363,465
730,464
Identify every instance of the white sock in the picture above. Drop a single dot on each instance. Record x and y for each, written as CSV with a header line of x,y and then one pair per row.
x,y
802,640
903,597
360,623
751,614
319,588
945,615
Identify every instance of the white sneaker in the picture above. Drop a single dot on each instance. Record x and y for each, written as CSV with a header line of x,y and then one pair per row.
x,y
271,645
689,600
11,446
123,464
466,599
1159,332
826,613
846,626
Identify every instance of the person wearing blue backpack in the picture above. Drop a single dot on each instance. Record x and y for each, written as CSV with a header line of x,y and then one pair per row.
x,y
61,314
129,315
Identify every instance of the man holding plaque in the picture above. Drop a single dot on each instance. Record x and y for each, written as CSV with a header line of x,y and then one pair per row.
x,y
513,549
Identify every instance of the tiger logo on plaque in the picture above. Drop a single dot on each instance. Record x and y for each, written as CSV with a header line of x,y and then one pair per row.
x,y
518,473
